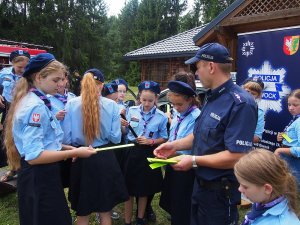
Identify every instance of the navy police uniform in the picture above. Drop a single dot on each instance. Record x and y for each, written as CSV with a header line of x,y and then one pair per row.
x,y
40,193
178,185
227,122
141,180
97,183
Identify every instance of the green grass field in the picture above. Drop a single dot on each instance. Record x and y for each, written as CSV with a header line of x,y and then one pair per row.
x,y
9,212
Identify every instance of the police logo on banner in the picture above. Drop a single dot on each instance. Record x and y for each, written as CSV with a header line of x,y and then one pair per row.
x,y
248,48
275,88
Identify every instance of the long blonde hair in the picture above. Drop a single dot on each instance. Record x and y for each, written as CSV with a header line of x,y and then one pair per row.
x,y
262,167
22,87
90,108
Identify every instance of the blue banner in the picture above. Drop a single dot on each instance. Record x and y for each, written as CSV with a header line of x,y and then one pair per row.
x,y
274,56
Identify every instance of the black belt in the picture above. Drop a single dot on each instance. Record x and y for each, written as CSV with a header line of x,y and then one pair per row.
x,y
222,183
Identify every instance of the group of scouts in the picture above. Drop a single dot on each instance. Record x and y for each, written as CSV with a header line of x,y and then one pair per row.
x,y
53,140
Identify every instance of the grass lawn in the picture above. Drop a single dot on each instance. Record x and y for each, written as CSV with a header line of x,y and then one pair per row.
x,y
9,212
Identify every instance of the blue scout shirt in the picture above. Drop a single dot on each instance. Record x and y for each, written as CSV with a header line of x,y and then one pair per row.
x,y
278,215
35,129
8,79
109,120
227,122
293,131
185,128
121,105
260,123
57,104
156,127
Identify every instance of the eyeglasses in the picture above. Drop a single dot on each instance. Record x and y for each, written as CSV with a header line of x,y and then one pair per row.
x,y
121,91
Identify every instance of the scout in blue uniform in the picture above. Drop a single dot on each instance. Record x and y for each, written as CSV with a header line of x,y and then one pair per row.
x,y
178,185
110,91
33,141
8,78
222,134
122,90
255,86
150,125
290,137
59,100
266,180
97,183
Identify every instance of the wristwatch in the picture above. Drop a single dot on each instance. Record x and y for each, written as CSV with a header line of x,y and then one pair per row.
x,y
194,163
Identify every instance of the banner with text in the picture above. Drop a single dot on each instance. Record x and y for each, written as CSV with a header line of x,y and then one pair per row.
x,y
274,56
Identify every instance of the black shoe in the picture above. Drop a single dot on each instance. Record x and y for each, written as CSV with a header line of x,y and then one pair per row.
x,y
150,215
140,221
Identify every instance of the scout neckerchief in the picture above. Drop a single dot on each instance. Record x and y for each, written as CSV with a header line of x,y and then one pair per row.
x,y
259,209
181,118
41,96
290,123
62,98
146,122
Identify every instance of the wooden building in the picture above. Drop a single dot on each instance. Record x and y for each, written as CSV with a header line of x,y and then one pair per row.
x,y
247,16
159,61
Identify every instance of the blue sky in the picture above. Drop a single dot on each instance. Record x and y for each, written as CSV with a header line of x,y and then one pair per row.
x,y
116,5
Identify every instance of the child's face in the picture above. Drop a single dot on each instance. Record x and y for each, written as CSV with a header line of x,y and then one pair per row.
x,y
147,99
50,84
179,102
253,93
255,193
19,67
294,105
121,92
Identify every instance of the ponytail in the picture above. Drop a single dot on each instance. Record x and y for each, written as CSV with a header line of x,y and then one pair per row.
x,y
13,156
90,108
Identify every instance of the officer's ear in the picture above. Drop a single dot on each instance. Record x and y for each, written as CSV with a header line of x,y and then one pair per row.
x,y
212,67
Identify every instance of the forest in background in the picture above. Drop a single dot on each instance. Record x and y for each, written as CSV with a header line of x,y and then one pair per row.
x,y
84,36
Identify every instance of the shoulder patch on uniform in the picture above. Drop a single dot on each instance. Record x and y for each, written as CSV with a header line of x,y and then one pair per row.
x,y
36,117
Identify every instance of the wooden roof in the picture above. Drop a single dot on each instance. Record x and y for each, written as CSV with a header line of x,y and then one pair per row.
x,y
250,15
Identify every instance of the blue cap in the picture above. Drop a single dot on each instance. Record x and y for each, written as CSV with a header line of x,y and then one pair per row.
x,y
149,85
213,52
37,63
17,53
98,75
182,88
120,81
255,79
109,88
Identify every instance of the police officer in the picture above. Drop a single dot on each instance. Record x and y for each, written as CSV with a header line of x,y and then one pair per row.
x,y
33,134
178,185
222,134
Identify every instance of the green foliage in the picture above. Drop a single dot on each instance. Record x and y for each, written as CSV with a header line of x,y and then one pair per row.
x,y
83,36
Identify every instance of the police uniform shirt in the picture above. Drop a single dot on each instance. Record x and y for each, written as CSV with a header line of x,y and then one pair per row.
x,y
121,105
156,127
35,129
8,79
186,127
57,104
260,123
293,132
227,122
109,120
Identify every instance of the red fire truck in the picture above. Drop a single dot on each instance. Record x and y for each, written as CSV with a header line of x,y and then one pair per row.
x,y
6,47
